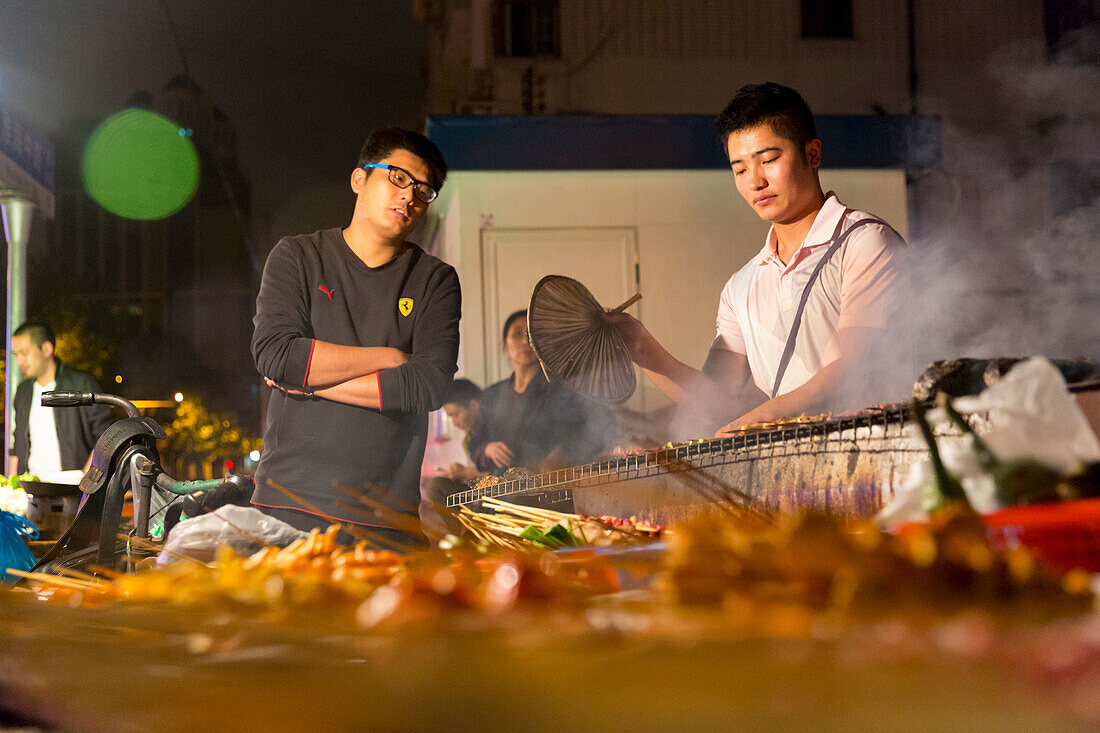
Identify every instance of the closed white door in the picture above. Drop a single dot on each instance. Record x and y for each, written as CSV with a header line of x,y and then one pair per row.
x,y
514,260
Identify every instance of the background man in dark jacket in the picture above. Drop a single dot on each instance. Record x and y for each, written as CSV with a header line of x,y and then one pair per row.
x,y
49,439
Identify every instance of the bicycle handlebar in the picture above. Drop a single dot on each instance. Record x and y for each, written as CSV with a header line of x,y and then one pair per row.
x,y
81,399
183,488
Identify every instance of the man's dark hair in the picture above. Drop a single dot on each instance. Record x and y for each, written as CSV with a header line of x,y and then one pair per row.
x,y
38,332
381,143
462,392
510,320
781,107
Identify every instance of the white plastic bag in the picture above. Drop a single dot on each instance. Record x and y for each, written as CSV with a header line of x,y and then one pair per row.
x,y
1031,414
239,527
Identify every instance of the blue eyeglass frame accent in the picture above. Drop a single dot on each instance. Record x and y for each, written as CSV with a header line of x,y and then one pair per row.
x,y
414,184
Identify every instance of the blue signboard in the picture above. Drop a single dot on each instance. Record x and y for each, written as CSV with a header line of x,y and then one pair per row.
x,y
664,142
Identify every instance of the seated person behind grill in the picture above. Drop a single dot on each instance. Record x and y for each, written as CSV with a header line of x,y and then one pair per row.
x,y
529,422
462,404
852,322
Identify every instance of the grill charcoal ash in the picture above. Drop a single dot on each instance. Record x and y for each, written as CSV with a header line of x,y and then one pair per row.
x,y
965,377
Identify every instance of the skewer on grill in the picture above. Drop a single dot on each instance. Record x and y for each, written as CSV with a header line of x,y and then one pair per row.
x,y
49,579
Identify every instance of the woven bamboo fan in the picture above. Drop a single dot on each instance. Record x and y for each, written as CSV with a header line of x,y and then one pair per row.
x,y
573,342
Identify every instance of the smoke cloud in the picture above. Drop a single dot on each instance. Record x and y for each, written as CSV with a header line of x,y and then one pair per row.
x,y
1004,236
1005,260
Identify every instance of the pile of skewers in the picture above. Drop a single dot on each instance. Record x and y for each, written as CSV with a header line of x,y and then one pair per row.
x,y
523,527
312,571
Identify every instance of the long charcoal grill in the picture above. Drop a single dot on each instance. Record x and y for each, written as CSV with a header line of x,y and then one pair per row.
x,y
847,465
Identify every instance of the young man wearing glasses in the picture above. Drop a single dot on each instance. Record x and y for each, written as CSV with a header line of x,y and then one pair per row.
x,y
357,331
815,320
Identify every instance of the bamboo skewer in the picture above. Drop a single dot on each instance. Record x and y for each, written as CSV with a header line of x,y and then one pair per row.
x,y
146,545
52,579
376,539
250,536
400,520
354,532
80,575
226,545
471,526
506,523
521,514
548,514
402,504
99,570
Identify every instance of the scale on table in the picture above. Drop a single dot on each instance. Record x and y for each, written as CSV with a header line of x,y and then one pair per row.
x,y
52,504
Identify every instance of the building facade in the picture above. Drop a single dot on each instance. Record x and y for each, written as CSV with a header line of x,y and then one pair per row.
x,y
1002,225
174,295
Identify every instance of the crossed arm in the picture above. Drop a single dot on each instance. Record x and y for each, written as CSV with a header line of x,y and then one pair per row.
x,y
347,374
291,359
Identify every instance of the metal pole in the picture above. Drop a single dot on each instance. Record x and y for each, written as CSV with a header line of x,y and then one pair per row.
x,y
18,210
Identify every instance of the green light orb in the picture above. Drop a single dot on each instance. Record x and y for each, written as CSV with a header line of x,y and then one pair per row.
x,y
140,165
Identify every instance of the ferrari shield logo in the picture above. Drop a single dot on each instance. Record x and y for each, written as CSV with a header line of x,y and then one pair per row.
x,y
405,306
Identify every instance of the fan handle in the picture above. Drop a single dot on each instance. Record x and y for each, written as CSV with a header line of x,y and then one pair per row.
x,y
633,299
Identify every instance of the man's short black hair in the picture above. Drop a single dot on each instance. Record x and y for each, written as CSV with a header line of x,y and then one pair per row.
x,y
773,104
39,332
381,143
462,392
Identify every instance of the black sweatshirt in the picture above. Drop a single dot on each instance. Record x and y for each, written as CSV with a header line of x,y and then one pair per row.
x,y
314,287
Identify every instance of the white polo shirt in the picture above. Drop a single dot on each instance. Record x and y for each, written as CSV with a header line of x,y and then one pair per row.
x,y
863,284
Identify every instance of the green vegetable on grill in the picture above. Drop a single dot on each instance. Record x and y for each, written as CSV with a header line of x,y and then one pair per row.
x,y
562,535
553,538
945,489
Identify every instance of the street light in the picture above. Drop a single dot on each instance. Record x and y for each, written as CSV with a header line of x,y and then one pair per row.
x,y
18,210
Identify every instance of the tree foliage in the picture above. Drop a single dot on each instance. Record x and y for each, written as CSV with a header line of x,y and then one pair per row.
x,y
195,431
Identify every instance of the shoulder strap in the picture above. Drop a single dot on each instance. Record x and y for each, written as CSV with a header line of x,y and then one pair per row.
x,y
838,239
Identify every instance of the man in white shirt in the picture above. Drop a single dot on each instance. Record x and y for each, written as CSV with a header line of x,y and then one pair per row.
x,y
820,304
47,440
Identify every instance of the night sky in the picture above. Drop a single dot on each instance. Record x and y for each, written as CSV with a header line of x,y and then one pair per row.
x,y
301,82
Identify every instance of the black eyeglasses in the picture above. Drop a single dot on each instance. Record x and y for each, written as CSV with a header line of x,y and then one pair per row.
x,y
403,179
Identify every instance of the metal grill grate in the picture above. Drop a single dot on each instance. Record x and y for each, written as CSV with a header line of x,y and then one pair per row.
x,y
871,431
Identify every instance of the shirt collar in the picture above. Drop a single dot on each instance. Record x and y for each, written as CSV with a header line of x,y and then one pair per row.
x,y
828,216
40,388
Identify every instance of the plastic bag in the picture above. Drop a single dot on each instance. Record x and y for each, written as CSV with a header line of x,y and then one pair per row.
x,y
1032,414
242,528
13,500
14,553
